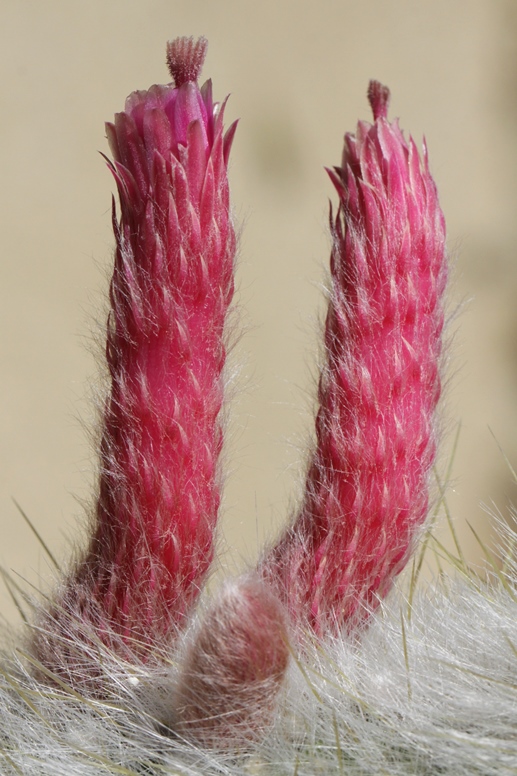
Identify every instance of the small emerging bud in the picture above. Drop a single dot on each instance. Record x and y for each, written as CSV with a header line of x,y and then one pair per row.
x,y
233,669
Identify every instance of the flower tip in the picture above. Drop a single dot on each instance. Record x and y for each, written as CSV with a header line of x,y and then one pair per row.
x,y
185,58
379,99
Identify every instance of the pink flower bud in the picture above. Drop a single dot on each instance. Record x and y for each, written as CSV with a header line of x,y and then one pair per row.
x,y
152,540
367,484
233,669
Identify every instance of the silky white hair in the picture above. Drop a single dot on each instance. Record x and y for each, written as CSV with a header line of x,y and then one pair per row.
x,y
429,686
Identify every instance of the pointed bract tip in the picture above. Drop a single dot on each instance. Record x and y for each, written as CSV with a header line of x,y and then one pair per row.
x,y
379,99
185,58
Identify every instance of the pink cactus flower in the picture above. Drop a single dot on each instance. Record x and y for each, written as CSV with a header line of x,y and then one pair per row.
x,y
152,539
367,484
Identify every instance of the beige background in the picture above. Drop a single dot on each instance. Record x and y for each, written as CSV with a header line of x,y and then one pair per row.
x,y
298,73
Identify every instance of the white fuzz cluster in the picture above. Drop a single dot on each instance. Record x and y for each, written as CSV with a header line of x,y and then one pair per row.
x,y
427,687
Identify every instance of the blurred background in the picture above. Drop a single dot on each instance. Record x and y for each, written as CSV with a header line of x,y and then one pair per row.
x,y
297,72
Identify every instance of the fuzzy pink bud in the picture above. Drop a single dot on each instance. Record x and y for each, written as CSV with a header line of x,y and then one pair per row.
x,y
152,540
367,484
233,669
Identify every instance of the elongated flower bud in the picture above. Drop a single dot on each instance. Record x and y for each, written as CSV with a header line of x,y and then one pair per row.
x,y
172,284
366,488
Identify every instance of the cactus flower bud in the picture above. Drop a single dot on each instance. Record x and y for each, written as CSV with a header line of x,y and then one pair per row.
x,y
233,669
367,484
158,500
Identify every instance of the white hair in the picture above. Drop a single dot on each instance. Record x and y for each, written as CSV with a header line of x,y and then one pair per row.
x,y
428,687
